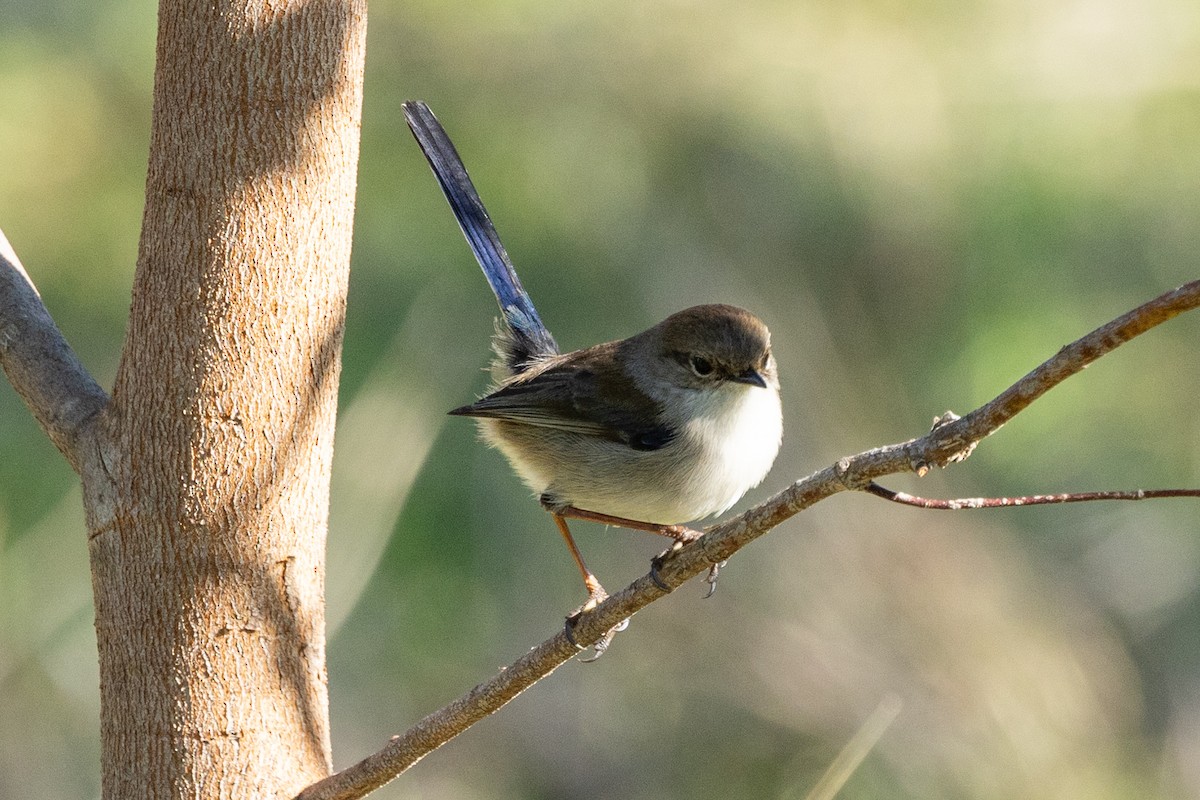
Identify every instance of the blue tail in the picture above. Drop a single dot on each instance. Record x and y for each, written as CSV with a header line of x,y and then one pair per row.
x,y
528,338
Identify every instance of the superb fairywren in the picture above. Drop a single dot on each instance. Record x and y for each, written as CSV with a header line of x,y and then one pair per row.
x,y
667,426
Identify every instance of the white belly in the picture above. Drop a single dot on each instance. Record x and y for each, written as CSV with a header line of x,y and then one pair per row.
x,y
727,447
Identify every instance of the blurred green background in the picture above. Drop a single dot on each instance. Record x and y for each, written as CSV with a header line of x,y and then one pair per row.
x,y
923,200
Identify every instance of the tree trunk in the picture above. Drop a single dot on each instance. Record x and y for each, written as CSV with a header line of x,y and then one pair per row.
x,y
206,480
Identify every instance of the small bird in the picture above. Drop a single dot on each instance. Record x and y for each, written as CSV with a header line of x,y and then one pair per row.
x,y
671,425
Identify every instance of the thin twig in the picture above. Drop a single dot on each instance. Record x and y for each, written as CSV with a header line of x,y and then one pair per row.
x,y
40,364
951,439
1071,359
904,498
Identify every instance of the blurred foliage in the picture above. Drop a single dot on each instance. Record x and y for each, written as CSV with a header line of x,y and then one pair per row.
x,y
923,200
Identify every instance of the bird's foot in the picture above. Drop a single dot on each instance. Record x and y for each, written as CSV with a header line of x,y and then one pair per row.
x,y
657,562
711,578
596,596
682,534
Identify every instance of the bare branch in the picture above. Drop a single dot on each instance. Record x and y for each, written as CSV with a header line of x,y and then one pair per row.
x,y
951,439
960,503
989,418
40,364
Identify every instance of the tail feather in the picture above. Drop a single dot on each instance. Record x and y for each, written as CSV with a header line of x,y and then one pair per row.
x,y
526,338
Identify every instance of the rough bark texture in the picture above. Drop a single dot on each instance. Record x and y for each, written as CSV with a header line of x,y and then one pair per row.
x,y
207,480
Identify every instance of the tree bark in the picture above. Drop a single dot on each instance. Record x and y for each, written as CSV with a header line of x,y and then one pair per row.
x,y
206,478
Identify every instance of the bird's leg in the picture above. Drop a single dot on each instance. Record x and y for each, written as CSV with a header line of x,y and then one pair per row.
x,y
596,594
680,533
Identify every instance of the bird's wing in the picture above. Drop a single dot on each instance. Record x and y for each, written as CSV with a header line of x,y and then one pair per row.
x,y
579,393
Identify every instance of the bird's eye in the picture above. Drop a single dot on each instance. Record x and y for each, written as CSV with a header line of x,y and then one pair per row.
x,y
701,366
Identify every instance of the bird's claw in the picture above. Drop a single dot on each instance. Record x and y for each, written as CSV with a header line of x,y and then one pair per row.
x,y
711,579
595,598
657,562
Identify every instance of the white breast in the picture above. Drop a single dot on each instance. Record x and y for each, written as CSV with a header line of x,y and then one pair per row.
x,y
737,432
727,441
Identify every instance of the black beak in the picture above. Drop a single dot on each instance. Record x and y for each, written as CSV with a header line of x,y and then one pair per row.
x,y
752,377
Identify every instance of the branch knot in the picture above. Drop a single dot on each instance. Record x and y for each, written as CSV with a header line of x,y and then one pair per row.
x,y
849,477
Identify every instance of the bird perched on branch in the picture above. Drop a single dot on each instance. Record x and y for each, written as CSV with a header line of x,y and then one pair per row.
x,y
670,425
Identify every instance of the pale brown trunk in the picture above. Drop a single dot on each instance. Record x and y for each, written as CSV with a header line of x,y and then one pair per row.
x,y
208,493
